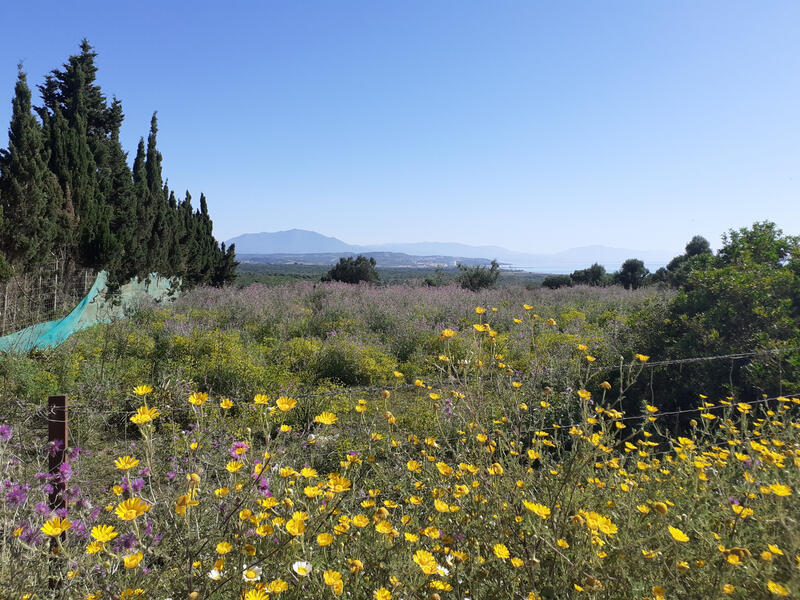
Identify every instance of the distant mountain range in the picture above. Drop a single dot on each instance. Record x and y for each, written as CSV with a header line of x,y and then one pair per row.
x,y
383,259
256,246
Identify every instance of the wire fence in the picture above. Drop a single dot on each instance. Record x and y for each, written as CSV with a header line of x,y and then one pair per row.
x,y
88,420
697,359
49,417
46,293
371,389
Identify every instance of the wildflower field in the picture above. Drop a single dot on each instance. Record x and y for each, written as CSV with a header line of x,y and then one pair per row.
x,y
323,441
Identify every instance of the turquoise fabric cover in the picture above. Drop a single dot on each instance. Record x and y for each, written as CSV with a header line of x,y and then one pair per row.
x,y
94,308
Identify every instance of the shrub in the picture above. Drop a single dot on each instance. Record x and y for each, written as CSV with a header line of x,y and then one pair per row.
x,y
594,275
478,277
556,281
353,270
342,360
632,274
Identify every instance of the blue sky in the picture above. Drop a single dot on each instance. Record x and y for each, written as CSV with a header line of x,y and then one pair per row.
x,y
537,126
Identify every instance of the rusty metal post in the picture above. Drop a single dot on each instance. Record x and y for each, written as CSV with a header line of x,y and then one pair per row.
x,y
58,438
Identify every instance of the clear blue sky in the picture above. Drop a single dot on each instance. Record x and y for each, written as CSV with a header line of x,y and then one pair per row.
x,y
533,125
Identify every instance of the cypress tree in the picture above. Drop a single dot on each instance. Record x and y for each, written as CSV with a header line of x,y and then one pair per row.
x,y
123,202
157,198
225,271
82,153
68,191
73,89
144,208
209,252
5,268
29,198
175,254
188,243
58,136
152,163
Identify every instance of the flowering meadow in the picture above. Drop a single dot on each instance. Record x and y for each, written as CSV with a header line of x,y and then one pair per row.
x,y
333,441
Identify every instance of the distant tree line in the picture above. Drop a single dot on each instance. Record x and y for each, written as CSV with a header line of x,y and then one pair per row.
x,y
633,274
362,269
68,194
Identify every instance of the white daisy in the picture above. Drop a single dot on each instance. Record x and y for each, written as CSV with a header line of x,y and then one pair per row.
x,y
302,567
252,573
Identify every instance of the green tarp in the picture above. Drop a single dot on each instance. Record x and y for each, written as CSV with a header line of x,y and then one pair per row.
x,y
94,308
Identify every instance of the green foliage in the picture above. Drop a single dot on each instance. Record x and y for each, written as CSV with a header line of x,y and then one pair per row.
x,y
342,360
5,268
594,275
745,299
696,256
556,281
437,279
762,244
697,245
68,193
478,277
353,270
632,274
29,195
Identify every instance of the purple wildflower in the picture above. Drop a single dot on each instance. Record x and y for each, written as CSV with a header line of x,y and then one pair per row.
x,y
238,449
55,447
17,495
126,542
65,471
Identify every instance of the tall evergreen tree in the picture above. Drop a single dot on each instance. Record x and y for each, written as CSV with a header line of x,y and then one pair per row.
x,y
5,268
73,89
144,208
30,197
225,270
209,251
83,152
175,255
58,136
189,249
68,191
158,195
121,197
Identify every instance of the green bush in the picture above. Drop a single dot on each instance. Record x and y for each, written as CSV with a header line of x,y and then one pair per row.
x,y
353,270
344,361
478,277
556,281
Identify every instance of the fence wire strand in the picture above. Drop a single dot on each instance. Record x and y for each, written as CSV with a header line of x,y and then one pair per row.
x,y
82,408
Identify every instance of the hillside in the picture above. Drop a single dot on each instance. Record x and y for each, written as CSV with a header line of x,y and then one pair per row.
x,y
304,242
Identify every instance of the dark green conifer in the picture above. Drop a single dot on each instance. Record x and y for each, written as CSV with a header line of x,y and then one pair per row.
x,y
225,271
29,197
89,207
121,197
5,268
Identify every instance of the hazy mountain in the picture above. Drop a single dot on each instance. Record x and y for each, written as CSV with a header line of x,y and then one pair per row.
x,y
300,241
383,259
443,249
294,241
